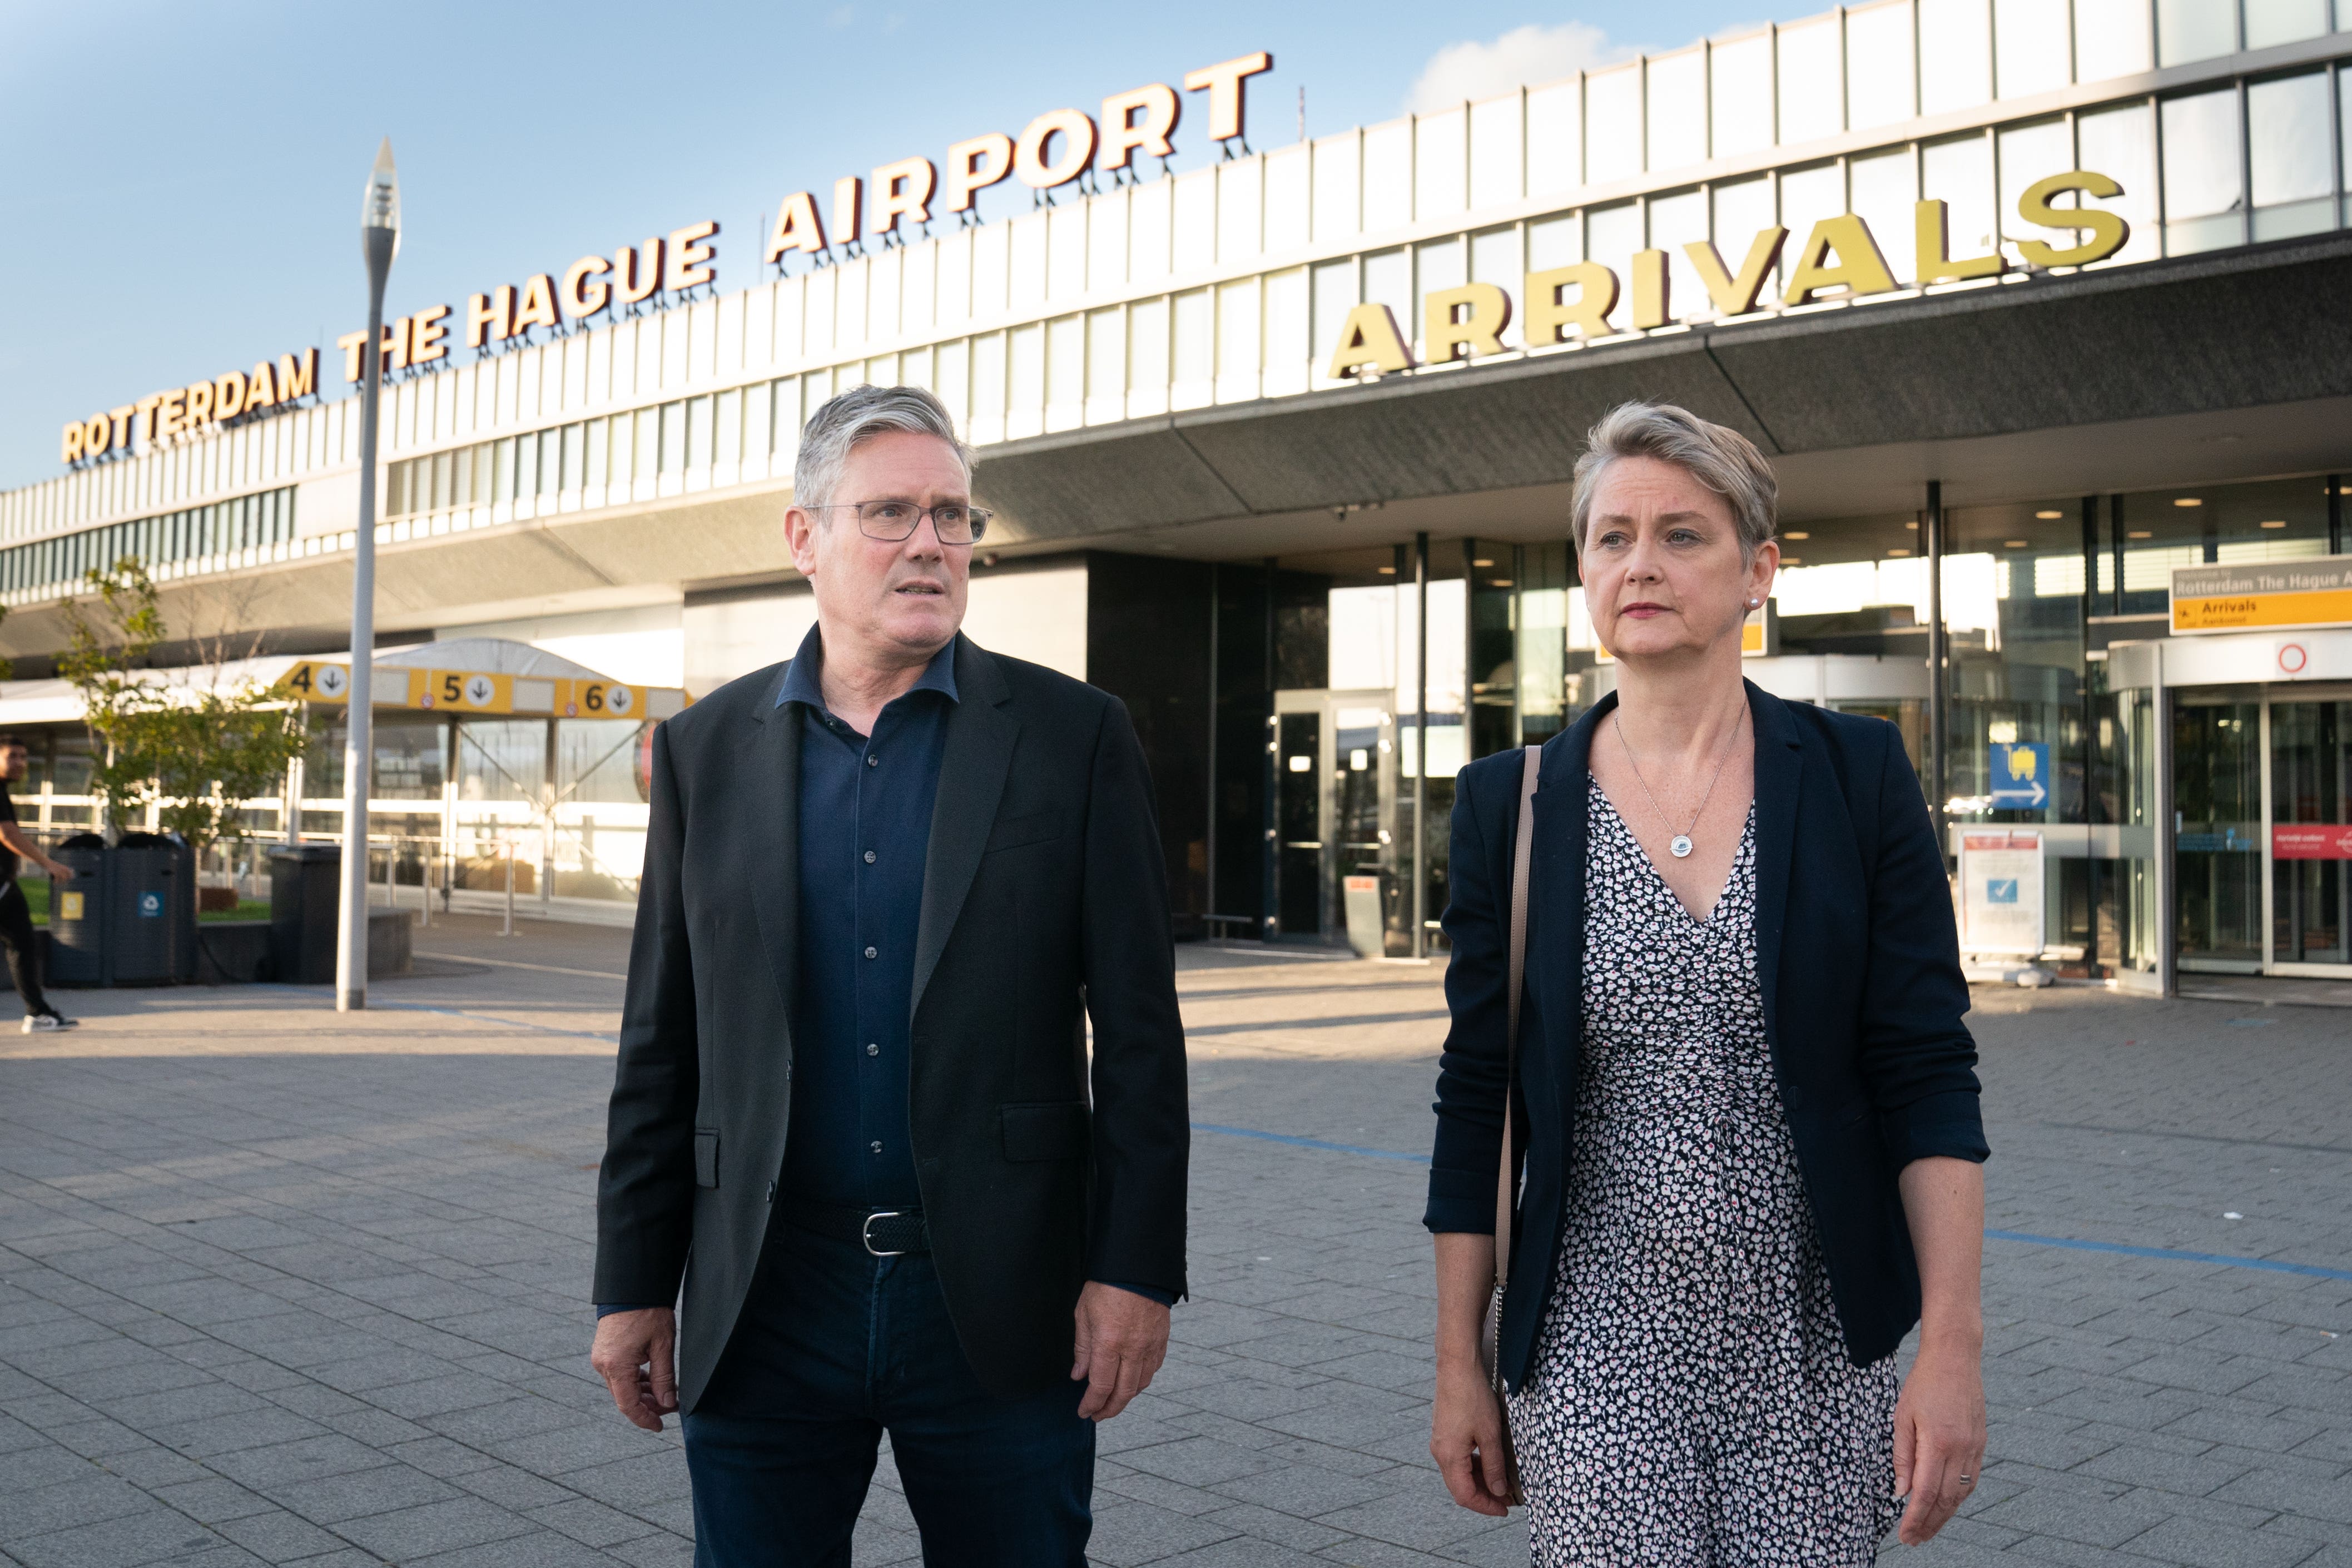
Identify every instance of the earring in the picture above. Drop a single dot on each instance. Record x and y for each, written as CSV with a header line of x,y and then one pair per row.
x,y
1753,602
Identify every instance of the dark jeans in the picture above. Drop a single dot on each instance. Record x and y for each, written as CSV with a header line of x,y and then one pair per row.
x,y
23,957
834,1347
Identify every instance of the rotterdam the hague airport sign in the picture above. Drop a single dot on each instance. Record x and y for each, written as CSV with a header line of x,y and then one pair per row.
x,y
1058,148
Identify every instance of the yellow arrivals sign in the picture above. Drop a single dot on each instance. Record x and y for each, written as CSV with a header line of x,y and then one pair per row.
x,y
2262,595
480,691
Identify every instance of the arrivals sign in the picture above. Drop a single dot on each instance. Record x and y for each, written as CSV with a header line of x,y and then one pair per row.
x,y
2262,595
1055,149
481,692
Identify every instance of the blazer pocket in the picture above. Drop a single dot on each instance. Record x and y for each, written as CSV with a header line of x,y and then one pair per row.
x,y
706,1156
1056,1129
1032,827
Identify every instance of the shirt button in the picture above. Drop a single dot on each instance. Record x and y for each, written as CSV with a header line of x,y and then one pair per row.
x,y
873,953
873,1050
872,760
869,857
875,1146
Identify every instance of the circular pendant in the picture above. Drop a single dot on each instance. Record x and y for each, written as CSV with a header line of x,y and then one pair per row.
x,y
1681,845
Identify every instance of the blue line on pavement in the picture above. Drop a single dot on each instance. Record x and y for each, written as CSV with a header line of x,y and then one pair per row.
x,y
1311,1143
2168,1254
2174,1255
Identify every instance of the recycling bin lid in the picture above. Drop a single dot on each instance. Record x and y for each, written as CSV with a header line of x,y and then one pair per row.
x,y
305,851
139,840
85,841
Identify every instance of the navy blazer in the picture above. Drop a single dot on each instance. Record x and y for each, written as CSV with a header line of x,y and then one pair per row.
x,y
1860,967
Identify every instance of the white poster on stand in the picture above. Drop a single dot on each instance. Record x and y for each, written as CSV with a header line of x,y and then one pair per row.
x,y
2001,892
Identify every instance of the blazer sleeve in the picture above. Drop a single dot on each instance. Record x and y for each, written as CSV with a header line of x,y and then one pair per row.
x,y
645,1188
1471,1070
1918,1060
1142,1118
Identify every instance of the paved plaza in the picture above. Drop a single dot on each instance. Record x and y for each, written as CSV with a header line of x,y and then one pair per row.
x,y
280,1286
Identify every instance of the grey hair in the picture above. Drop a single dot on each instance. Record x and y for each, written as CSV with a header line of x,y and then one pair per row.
x,y
1723,460
859,415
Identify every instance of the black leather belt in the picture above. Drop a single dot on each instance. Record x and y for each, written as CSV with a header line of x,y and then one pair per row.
x,y
885,1233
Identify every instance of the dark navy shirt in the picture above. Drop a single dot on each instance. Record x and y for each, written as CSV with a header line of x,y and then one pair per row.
x,y
864,829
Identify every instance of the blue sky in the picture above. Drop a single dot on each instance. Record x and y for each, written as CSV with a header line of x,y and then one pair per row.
x,y
180,185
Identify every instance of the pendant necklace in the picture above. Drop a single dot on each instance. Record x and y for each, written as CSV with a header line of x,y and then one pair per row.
x,y
1680,844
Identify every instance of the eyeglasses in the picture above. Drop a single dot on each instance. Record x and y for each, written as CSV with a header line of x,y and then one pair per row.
x,y
892,520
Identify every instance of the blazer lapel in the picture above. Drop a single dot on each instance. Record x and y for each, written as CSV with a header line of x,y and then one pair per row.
x,y
1780,769
771,839
977,758
1556,878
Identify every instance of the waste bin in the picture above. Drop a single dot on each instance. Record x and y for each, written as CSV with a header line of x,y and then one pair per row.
x,y
78,925
303,885
150,909
1367,924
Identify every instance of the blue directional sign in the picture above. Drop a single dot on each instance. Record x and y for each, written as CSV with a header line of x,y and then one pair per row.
x,y
2020,776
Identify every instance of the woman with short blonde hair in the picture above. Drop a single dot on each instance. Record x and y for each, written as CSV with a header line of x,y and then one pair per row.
x,y
1747,1101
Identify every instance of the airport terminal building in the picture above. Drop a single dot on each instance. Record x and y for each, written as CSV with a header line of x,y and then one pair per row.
x,y
2038,308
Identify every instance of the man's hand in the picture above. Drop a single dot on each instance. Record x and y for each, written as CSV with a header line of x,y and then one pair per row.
x,y
637,1355
1939,1440
1465,1438
1122,1340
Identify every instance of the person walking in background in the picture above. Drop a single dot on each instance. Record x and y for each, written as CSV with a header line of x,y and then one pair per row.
x,y
887,886
15,917
1753,1146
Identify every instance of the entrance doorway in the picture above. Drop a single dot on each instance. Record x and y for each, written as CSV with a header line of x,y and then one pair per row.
x,y
1335,811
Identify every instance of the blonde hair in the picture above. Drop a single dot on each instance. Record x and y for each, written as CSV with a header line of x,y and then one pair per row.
x,y
1723,460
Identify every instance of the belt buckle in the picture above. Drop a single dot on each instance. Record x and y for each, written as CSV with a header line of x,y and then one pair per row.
x,y
866,1232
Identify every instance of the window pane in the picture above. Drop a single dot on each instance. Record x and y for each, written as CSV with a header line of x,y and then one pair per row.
x,y
1741,209
1883,188
1554,242
1555,144
2271,22
987,387
1496,146
1440,164
697,433
1677,110
1147,354
1955,54
2121,144
1739,82
729,440
1812,99
2287,141
551,460
2202,194
1612,124
1388,280
649,442
1238,322
1066,372
1334,295
1611,236
1959,172
1105,365
673,437
2110,38
1336,214
575,456
1879,63
1024,409
2031,39
1388,176
1196,350
600,451
1675,221
2195,30
2030,153
1496,258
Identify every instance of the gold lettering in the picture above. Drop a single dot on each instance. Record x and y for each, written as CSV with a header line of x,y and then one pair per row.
x,y
973,167
228,394
200,404
297,374
1077,133
427,338
1445,336
69,449
143,415
169,414
354,345
849,198
537,307
1548,316
1223,82
121,417
1932,225
489,317
1651,282
394,354
636,273
584,291
1123,134
97,436
797,228
1860,269
260,387
1737,296
1370,340
689,258
903,189
2107,230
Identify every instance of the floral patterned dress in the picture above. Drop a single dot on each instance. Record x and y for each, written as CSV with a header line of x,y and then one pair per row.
x,y
1691,1403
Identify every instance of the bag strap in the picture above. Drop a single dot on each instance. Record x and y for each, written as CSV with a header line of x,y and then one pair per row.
x,y
1522,858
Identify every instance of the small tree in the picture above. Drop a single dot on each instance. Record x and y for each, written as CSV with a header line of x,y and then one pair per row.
x,y
196,750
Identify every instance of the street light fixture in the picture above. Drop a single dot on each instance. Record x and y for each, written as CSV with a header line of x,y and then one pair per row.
x,y
379,243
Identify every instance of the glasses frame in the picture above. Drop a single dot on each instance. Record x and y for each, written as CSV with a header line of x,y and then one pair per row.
x,y
980,515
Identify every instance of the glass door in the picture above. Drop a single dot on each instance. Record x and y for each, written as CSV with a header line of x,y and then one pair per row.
x,y
2311,831
2217,808
1335,818
1298,832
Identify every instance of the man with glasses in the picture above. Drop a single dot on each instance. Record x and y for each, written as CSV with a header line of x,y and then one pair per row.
x,y
857,1114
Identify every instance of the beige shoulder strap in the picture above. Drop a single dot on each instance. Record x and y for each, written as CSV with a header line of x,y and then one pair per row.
x,y
1522,858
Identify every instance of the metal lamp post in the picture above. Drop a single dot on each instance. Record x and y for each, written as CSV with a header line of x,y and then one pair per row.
x,y
379,241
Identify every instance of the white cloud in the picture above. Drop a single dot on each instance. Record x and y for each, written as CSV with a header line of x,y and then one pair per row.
x,y
1472,70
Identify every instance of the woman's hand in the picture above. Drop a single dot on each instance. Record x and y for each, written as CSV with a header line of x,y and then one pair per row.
x,y
1940,1439
1465,1438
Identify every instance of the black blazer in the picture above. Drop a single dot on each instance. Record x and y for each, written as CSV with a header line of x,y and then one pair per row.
x,y
1044,901
1862,995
